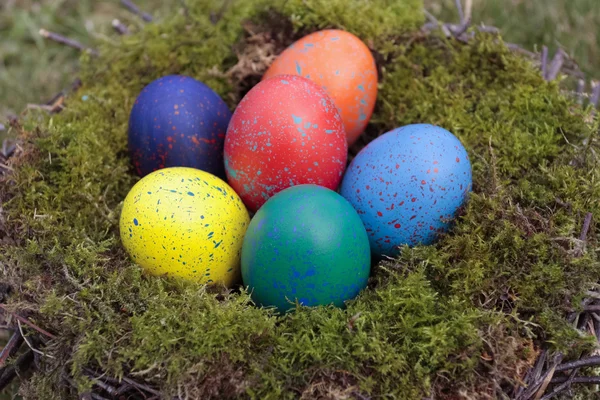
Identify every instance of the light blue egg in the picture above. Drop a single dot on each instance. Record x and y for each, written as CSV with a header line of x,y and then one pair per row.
x,y
407,186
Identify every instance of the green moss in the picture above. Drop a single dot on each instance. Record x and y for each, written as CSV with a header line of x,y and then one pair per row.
x,y
465,315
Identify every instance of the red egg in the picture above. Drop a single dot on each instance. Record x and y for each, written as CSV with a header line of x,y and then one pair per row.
x,y
286,131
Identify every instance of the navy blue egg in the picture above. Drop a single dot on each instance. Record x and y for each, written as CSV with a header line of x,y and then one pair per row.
x,y
407,186
177,121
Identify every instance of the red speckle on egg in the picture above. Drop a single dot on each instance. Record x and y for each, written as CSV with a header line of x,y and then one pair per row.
x,y
300,141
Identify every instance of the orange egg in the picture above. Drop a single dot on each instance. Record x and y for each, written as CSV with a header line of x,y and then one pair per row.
x,y
343,65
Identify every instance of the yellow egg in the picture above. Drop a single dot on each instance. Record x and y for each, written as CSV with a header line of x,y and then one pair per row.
x,y
187,223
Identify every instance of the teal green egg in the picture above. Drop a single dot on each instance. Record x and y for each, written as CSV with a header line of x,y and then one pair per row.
x,y
305,245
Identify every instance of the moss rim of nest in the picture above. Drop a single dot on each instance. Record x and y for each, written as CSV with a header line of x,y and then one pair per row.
x,y
467,316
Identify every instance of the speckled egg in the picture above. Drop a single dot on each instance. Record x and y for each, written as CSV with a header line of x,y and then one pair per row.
x,y
177,121
305,245
285,131
343,65
407,186
187,223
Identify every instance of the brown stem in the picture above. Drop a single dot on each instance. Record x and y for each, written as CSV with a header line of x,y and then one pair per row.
x,y
130,5
29,323
11,348
66,41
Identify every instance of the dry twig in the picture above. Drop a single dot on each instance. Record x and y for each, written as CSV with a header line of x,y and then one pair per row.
x,y
66,41
119,27
579,379
11,347
595,93
28,323
580,91
29,343
584,362
130,5
545,61
555,65
8,148
21,365
566,385
459,8
141,386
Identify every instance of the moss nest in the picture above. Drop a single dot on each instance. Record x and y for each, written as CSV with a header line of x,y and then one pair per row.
x,y
465,317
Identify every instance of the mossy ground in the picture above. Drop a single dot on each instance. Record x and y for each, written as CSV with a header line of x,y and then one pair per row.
x,y
465,317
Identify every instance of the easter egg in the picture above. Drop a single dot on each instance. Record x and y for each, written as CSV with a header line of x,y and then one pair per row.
x,y
187,223
285,131
305,245
177,121
407,186
343,65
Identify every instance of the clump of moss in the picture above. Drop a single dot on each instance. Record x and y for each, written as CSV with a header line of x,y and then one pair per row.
x,y
467,315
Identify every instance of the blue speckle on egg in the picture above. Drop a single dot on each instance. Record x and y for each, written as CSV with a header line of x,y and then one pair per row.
x,y
407,186
177,121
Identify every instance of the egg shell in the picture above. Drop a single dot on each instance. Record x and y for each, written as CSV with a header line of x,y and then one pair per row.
x,y
407,185
343,65
177,121
187,223
285,131
306,244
